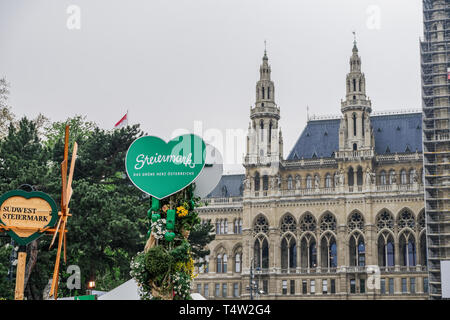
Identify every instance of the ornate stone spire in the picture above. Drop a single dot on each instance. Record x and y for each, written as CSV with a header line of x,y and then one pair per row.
x,y
355,132
264,141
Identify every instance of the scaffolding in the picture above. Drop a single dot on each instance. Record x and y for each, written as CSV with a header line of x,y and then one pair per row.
x,y
435,65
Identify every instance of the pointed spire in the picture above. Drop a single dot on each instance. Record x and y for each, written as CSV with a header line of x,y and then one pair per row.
x,y
355,48
265,51
265,67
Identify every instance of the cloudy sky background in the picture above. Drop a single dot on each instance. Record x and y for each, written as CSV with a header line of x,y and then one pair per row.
x,y
174,62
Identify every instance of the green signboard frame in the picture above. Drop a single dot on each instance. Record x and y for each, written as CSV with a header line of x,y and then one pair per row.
x,y
161,168
29,195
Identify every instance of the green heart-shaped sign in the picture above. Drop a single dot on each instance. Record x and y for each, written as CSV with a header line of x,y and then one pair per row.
x,y
161,169
26,214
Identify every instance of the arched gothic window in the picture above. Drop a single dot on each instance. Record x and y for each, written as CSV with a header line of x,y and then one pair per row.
x,y
261,225
265,182
289,183
328,183
261,253
356,221
407,246
359,176
406,220
308,250
386,250
237,226
385,220
308,182
222,227
328,251
225,226
237,262
354,123
288,252
261,127
308,223
217,226
224,263
383,178
403,177
357,250
363,124
288,224
270,129
257,181
328,222
219,263
351,177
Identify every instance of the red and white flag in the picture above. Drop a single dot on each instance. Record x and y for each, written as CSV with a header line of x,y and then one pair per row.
x,y
122,122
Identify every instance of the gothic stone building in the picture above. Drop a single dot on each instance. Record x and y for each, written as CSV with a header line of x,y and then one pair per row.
x,y
341,218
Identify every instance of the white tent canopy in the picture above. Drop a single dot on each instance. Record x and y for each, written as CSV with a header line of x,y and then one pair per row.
x,y
126,291
130,291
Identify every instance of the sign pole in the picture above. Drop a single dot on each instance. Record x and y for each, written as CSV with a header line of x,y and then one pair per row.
x,y
20,273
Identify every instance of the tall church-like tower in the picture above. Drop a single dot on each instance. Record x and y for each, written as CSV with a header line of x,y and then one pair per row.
x,y
264,141
355,133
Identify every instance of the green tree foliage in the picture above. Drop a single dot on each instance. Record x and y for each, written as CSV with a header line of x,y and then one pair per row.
x,y
24,160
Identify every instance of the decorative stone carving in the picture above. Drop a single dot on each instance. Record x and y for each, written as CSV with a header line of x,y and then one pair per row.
x,y
297,182
341,177
370,176
247,183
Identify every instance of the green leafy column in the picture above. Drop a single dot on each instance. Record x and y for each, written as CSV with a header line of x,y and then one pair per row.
x,y
165,269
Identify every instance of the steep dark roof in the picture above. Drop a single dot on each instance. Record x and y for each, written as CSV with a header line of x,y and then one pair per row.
x,y
393,133
228,186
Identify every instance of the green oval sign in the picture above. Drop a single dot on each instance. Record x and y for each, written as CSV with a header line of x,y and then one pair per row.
x,y
161,169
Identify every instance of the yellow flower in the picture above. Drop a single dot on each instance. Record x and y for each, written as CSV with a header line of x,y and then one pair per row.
x,y
182,211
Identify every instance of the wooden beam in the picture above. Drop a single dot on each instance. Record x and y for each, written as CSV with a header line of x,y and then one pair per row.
x,y
20,274
54,288
72,168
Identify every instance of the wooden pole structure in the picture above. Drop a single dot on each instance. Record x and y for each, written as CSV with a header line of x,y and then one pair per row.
x,y
20,273
66,194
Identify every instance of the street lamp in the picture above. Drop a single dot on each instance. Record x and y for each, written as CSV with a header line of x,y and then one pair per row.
x,y
253,286
91,285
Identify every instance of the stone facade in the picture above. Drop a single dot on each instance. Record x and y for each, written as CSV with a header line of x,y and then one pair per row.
x,y
341,218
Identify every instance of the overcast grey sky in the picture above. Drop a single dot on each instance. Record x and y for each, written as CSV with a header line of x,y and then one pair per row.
x,y
171,62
